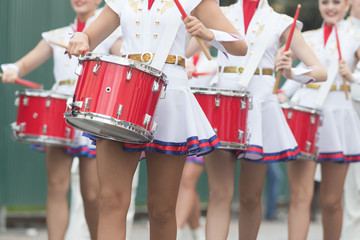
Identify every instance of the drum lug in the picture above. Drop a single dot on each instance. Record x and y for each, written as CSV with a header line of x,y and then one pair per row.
x,y
312,119
87,103
243,104
78,69
248,137
44,129
215,130
48,102
147,120
241,135
17,102
18,128
163,92
153,127
25,101
96,67
308,146
67,132
129,74
119,111
76,105
289,115
217,101
250,103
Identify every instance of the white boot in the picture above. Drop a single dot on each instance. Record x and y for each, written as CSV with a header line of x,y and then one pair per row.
x,y
198,233
179,233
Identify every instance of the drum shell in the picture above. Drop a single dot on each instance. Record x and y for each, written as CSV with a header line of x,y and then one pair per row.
x,y
227,113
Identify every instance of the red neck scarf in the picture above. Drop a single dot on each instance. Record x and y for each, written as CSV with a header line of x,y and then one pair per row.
x,y
327,32
249,8
195,59
80,26
150,3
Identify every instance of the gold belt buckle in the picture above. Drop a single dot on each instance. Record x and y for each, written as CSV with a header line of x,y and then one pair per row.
x,y
146,57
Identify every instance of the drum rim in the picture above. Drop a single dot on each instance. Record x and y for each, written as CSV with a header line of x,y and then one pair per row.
x,y
126,62
42,139
108,120
41,93
300,108
217,91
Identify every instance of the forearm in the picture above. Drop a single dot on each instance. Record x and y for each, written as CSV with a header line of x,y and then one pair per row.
x,y
102,27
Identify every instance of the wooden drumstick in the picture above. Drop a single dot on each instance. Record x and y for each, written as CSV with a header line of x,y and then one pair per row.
x,y
340,58
202,45
287,46
58,44
26,83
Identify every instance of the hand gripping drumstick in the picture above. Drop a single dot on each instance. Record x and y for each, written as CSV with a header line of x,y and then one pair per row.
x,y
202,45
26,83
340,58
61,45
287,46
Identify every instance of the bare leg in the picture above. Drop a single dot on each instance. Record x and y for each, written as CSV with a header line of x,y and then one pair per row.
x,y
194,218
220,167
301,181
90,191
251,184
58,165
164,175
116,168
188,197
331,192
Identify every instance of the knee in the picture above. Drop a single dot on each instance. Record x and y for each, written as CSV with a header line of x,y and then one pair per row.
x,y
250,201
301,196
91,196
58,185
112,201
331,204
222,195
161,212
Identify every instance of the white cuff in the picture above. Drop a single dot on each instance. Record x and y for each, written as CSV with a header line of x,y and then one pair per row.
x,y
299,75
13,66
220,36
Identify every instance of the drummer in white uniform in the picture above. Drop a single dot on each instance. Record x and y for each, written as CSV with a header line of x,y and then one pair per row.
x,y
182,127
59,159
271,139
339,134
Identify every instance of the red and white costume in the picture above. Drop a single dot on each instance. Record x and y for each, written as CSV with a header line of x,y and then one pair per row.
x,y
271,139
183,128
339,134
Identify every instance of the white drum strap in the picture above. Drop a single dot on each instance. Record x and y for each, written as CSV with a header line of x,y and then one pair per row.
x,y
261,45
325,87
166,41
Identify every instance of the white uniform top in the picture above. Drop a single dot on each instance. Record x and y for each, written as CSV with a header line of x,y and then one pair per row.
x,y
271,139
64,68
182,126
339,135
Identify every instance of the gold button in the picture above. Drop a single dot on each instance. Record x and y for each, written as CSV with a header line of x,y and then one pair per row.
x,y
157,21
158,9
252,42
138,35
137,22
140,9
155,35
236,19
253,30
162,0
257,22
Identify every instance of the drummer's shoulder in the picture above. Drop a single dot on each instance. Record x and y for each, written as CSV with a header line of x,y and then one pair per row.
x,y
311,33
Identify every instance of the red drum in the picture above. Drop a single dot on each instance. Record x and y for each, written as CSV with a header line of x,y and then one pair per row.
x,y
304,123
115,98
40,118
227,112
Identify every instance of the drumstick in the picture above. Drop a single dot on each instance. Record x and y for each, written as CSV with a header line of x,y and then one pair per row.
x,y
58,44
340,58
26,83
202,45
196,74
288,41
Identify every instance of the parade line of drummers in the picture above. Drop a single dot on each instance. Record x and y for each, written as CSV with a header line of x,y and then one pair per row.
x,y
128,89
